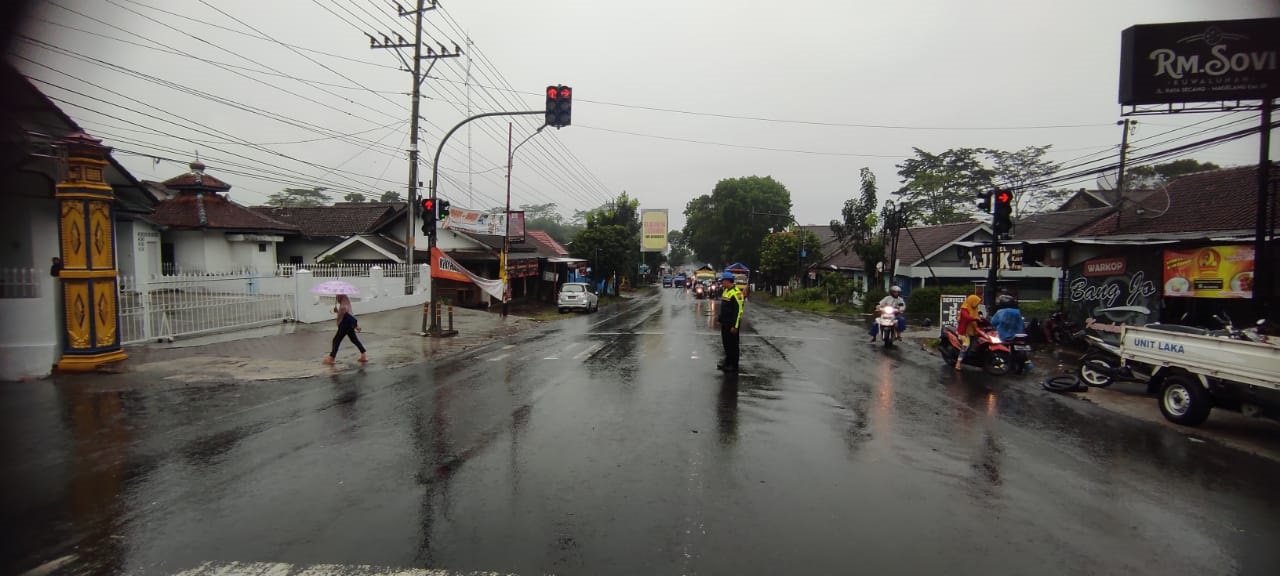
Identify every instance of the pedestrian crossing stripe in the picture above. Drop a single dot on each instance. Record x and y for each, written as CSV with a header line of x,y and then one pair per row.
x,y
283,569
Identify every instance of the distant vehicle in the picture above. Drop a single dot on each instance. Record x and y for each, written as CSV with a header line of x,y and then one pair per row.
x,y
679,281
666,281
701,290
577,296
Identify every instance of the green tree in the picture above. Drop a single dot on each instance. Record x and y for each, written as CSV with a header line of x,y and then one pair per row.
x,y
547,217
677,253
943,187
391,196
611,239
299,198
1023,172
857,231
780,254
729,224
354,197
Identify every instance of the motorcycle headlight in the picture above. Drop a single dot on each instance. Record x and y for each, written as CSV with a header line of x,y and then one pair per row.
x,y
995,339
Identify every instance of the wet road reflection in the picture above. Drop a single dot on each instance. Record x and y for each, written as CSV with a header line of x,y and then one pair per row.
x,y
609,443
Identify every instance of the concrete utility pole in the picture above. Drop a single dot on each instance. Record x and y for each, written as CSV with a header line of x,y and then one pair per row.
x,y
1124,156
418,76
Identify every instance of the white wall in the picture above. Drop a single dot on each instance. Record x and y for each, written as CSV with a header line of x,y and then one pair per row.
x,y
308,249
377,294
188,249
360,251
29,327
217,253
126,261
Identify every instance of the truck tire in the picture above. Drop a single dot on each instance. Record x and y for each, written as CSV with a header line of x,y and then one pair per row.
x,y
1095,370
1184,401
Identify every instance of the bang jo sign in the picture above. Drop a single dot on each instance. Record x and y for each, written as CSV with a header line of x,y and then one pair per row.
x,y
1212,272
1200,61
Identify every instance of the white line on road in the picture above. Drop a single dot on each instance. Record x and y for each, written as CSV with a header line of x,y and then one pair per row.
x,y
498,357
588,352
282,569
508,346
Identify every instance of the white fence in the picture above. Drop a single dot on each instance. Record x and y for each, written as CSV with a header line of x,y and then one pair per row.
x,y
20,283
173,306
170,307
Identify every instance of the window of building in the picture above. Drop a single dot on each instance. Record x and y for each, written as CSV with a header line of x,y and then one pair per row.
x,y
262,246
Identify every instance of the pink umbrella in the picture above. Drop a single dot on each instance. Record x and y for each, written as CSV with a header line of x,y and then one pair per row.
x,y
334,288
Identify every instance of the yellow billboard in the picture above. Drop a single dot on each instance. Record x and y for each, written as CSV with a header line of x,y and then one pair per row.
x,y
654,230
1210,272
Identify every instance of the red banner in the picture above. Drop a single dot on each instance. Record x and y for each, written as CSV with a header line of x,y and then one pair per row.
x,y
1105,267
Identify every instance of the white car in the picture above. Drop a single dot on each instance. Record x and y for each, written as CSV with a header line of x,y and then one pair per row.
x,y
577,295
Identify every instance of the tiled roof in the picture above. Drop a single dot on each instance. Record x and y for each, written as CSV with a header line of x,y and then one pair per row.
x,y
1210,201
833,251
1056,224
214,211
546,240
929,239
196,179
340,220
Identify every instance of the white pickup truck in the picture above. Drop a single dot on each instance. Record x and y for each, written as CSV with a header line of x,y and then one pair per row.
x,y
1195,373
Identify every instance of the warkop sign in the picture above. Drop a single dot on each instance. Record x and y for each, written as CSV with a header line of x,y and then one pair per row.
x,y
1200,61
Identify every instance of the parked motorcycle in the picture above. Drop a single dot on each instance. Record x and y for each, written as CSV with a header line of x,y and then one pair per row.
x,y
888,322
989,352
1061,331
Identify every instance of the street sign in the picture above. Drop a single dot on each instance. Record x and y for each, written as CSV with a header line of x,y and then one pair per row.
x,y
949,309
1010,258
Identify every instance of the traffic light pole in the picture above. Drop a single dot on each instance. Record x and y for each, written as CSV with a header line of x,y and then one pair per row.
x,y
434,322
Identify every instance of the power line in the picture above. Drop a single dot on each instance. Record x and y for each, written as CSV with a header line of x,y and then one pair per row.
x,y
742,146
243,33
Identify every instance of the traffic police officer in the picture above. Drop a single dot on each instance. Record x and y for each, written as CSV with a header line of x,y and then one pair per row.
x,y
730,319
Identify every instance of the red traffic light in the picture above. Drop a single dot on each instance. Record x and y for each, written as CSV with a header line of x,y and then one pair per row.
x,y
553,92
429,205
565,92
1004,197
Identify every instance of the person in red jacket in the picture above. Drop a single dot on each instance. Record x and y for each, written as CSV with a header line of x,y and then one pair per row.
x,y
968,325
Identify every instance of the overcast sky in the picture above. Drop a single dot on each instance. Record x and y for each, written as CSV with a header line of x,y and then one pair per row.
x,y
297,79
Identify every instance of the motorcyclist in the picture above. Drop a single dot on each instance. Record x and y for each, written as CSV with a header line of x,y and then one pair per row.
x,y
899,305
1008,318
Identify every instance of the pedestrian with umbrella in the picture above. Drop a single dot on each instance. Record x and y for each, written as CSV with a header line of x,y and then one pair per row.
x,y
348,326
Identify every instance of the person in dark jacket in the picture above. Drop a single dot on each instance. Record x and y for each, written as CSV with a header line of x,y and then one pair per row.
x,y
729,318
347,328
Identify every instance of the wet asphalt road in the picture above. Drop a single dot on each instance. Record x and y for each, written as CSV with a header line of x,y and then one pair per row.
x,y
609,444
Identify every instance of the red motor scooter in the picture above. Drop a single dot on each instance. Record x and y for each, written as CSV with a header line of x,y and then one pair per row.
x,y
989,352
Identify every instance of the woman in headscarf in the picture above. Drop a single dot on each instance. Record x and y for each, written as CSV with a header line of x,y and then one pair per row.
x,y
347,328
968,326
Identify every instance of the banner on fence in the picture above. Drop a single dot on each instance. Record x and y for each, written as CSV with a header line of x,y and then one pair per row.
x,y
446,268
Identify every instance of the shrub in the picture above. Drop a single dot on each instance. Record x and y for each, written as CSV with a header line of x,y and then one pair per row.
x,y
872,298
1037,309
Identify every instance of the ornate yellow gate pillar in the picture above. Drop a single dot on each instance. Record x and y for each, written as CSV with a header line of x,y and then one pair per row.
x,y
87,232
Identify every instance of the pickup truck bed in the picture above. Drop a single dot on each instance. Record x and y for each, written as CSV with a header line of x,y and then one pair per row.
x,y
1198,371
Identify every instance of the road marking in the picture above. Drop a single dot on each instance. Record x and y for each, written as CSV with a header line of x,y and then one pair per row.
x,y
282,569
499,357
508,346
588,352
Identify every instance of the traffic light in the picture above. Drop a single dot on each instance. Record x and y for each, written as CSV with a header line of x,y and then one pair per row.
x,y
984,202
559,106
444,209
428,216
1003,222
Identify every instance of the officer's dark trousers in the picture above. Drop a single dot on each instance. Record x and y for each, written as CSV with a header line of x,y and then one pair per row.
x,y
730,341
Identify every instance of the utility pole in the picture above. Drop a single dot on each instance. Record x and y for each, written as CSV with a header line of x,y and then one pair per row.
x,y
418,76
1124,155
1262,285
